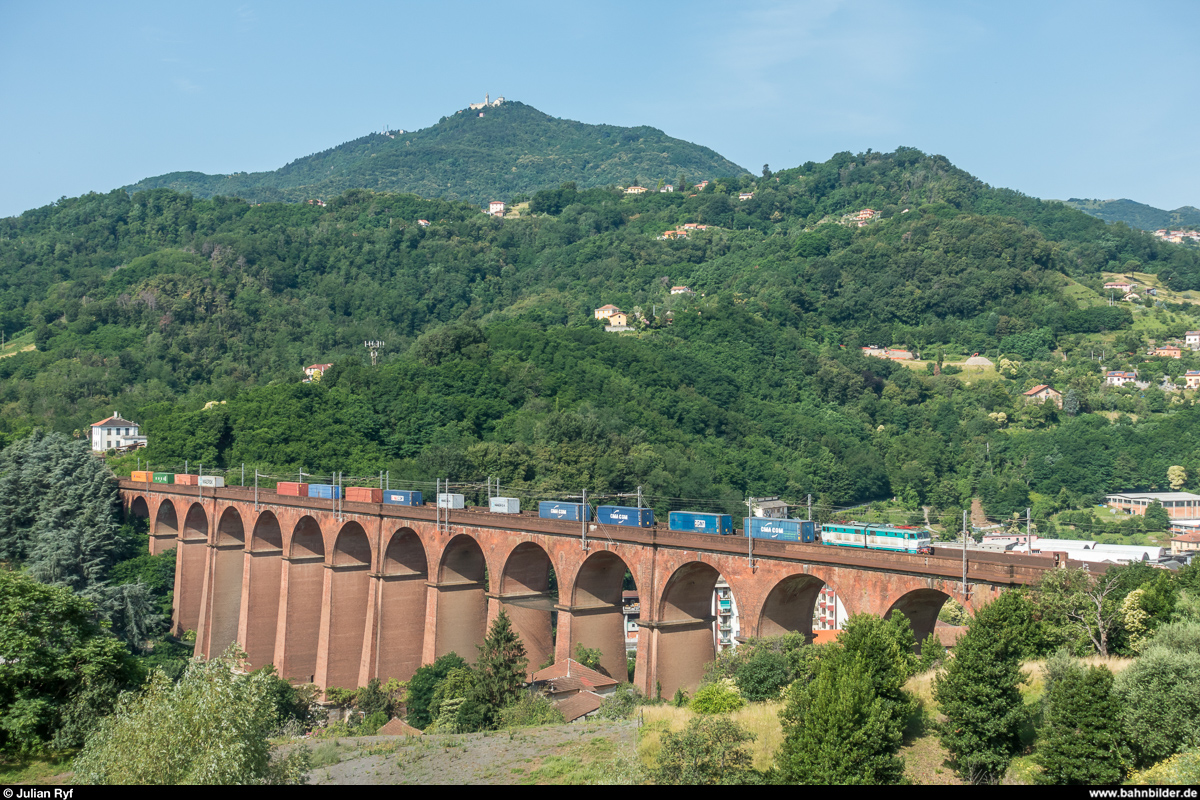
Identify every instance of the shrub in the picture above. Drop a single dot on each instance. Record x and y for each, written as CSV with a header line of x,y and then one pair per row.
x,y
721,697
530,708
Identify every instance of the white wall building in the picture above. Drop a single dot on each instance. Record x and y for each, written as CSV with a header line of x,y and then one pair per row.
x,y
115,433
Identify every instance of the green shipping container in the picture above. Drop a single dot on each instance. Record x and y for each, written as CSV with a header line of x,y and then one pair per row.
x,y
164,477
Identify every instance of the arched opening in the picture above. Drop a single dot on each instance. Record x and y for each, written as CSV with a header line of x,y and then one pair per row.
x,y
349,591
303,588
225,597
164,530
462,599
526,597
263,580
921,607
790,606
598,619
402,601
138,508
685,636
189,571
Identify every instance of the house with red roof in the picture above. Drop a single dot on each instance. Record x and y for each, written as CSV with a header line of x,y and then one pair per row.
x,y
577,691
115,433
1043,392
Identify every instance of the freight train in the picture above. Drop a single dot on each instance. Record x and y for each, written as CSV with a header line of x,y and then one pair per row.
x,y
871,536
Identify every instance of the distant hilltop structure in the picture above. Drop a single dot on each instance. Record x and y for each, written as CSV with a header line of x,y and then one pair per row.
x,y
487,103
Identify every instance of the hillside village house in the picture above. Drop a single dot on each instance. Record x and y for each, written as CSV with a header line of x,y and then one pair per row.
x,y
1169,351
1192,376
636,190
604,312
1043,392
496,208
1119,378
1191,340
1123,287
115,433
1178,505
864,216
746,196
313,372
681,290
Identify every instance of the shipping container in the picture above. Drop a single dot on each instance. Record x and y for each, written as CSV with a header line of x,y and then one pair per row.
x,y
142,476
697,522
292,489
183,479
360,494
325,491
451,501
787,530
211,480
398,498
504,505
164,477
567,511
625,515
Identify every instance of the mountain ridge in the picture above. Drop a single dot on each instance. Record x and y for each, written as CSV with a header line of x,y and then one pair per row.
x,y
472,155
1136,215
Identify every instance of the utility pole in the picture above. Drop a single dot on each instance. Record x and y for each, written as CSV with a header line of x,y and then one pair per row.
x,y
964,566
810,506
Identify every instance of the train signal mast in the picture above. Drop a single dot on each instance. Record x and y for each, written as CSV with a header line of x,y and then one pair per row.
x,y
374,347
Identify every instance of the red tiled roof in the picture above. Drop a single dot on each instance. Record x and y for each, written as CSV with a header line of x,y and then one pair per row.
x,y
115,418
570,674
577,705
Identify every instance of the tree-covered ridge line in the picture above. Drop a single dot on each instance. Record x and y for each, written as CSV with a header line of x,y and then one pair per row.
x,y
1137,215
508,150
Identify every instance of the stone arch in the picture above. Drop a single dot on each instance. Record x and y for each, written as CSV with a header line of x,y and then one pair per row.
x,y
921,607
189,571
225,593
684,635
597,612
138,507
789,606
260,602
164,528
403,596
462,598
300,599
349,592
525,595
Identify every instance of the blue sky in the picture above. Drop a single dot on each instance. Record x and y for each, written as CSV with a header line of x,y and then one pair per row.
x,y
1054,99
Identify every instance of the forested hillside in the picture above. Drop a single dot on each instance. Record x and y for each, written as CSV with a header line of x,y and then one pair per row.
x,y
1137,215
504,151
157,303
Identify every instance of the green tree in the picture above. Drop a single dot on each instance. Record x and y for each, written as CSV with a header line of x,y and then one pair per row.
x,y
60,670
1081,741
1160,708
1177,476
979,695
1086,608
588,656
210,728
424,684
1156,517
710,750
500,669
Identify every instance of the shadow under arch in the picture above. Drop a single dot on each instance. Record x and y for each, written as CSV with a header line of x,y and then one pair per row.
x,y
684,636
260,614
597,611
189,571
303,579
525,596
225,595
789,606
462,599
921,607
349,592
403,599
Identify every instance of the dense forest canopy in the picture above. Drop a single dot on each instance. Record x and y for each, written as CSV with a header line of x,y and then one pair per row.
x,y
474,156
157,303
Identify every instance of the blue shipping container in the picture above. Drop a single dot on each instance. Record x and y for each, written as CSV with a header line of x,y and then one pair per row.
x,y
701,523
787,530
326,491
624,515
398,498
567,511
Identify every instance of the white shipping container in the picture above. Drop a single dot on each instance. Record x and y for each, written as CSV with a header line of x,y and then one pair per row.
x,y
504,505
211,480
450,501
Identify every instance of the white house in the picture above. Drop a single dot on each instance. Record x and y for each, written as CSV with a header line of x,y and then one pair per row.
x,y
115,433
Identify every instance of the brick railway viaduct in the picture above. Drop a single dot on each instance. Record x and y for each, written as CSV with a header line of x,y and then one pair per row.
x,y
378,590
